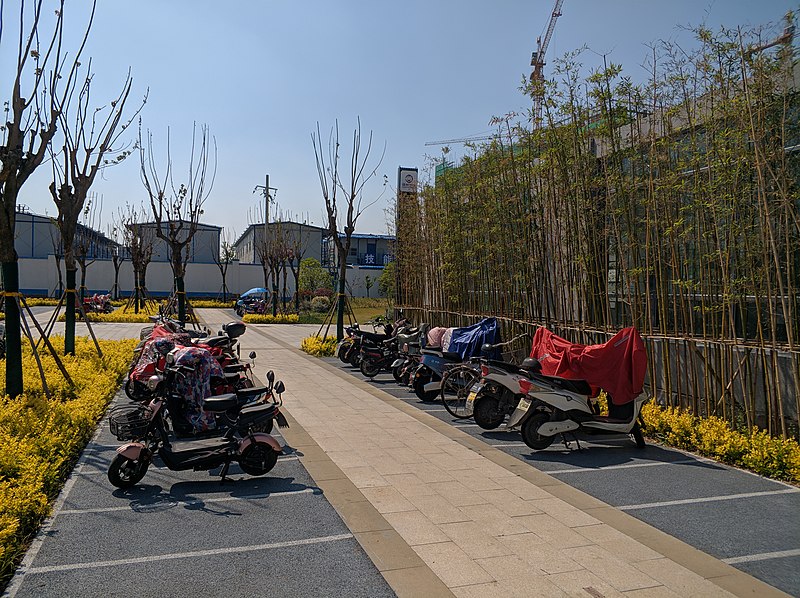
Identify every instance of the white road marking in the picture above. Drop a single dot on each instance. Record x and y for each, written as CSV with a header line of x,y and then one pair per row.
x,y
689,501
762,556
188,502
466,426
509,445
626,466
185,555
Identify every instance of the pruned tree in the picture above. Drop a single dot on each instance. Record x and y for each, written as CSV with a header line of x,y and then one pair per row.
x,y
39,90
295,249
58,254
88,143
227,255
177,208
369,282
86,241
342,189
116,235
139,240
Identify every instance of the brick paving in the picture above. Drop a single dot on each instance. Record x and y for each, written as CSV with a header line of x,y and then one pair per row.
x,y
482,522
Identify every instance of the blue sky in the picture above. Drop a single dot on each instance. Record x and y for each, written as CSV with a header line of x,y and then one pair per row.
x,y
262,74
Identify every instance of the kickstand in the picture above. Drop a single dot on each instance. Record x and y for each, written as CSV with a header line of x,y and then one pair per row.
x,y
224,471
566,442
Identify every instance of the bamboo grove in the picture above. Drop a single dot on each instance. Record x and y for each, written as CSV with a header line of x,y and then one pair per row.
x,y
670,205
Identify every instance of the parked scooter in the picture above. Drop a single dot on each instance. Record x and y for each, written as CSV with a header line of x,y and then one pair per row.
x,y
497,392
553,406
147,429
409,344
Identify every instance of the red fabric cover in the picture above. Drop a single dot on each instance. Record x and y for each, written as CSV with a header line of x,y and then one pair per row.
x,y
617,366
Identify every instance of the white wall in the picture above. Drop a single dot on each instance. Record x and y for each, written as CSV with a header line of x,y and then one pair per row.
x,y
39,276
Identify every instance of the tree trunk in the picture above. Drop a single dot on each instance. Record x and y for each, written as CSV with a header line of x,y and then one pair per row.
x,y
181,300
136,291
83,282
14,385
115,293
283,297
340,296
69,324
274,277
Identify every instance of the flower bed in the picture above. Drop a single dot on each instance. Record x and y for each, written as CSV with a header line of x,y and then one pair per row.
x,y
313,345
40,440
270,319
143,317
754,450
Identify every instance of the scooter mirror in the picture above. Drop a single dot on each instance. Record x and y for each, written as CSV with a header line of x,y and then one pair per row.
x,y
487,348
279,387
252,354
271,376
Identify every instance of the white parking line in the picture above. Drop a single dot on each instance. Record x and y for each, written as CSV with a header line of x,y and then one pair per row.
x,y
509,445
762,556
187,502
185,555
626,466
689,501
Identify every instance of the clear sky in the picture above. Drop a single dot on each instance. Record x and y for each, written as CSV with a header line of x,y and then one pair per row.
x,y
261,74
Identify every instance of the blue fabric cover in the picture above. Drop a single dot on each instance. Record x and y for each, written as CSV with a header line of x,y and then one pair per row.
x,y
468,341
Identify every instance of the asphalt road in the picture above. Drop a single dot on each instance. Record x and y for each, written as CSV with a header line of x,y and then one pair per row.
x,y
743,519
185,533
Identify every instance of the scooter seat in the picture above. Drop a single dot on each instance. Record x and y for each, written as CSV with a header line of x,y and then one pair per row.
x,y
580,387
214,341
234,368
447,355
504,365
373,337
249,394
220,403
255,413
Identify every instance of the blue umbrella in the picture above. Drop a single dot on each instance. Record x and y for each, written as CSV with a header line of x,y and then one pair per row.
x,y
254,291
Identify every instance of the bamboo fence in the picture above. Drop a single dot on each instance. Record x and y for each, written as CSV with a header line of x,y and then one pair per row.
x,y
671,206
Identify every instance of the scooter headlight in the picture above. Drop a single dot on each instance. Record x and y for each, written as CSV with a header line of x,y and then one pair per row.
x,y
153,382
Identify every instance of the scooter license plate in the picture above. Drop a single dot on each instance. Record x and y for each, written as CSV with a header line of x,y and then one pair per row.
x,y
472,395
524,404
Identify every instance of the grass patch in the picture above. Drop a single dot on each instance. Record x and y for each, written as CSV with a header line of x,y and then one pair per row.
x,y
40,440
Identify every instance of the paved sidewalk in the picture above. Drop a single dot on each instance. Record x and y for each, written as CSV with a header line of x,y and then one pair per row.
x,y
442,513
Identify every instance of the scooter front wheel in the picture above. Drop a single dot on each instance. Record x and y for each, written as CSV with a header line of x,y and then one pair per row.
x,y
124,472
530,431
258,458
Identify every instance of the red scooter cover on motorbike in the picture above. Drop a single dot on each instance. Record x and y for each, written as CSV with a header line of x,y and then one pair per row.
x,y
617,366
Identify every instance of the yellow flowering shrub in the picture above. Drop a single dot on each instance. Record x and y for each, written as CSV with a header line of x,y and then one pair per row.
x,y
711,436
143,317
212,303
319,347
41,439
270,319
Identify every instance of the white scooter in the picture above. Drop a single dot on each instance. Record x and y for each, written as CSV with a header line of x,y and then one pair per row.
x,y
553,406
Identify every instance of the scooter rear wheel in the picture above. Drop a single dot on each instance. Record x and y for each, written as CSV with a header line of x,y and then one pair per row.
x,y
426,396
530,433
370,368
258,459
342,353
487,412
124,472
397,374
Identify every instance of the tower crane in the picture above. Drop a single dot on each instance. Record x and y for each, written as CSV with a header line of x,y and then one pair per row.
x,y
537,62
462,140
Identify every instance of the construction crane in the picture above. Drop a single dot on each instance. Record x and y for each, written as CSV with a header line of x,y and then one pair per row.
x,y
537,62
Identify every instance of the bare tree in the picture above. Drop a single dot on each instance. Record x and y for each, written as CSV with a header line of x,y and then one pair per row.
x,y
177,209
116,235
138,238
343,195
227,255
58,253
295,249
42,83
86,241
89,136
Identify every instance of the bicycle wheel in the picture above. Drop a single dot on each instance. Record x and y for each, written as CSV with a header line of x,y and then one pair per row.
x,y
456,386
